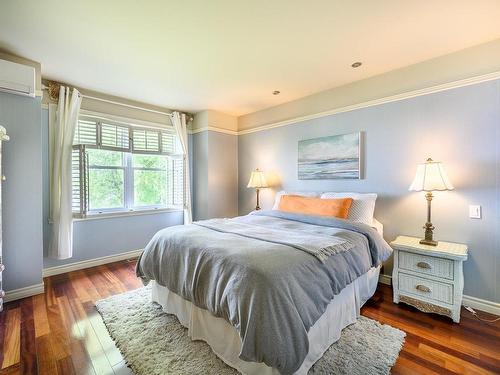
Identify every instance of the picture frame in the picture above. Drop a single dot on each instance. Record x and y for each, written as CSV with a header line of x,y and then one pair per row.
x,y
331,157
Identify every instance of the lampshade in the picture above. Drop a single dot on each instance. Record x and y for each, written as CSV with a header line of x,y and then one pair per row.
x,y
257,180
430,176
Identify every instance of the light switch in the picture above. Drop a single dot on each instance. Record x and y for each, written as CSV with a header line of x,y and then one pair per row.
x,y
475,212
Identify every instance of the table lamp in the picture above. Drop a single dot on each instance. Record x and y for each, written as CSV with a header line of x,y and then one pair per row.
x,y
430,177
257,181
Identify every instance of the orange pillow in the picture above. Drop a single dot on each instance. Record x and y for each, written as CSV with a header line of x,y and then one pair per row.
x,y
315,206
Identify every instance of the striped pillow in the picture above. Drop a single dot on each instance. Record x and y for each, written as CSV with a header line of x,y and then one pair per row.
x,y
362,208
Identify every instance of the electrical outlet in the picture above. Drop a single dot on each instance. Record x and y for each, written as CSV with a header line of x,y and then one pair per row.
x,y
475,212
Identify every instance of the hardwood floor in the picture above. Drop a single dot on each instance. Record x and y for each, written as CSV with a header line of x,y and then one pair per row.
x,y
60,332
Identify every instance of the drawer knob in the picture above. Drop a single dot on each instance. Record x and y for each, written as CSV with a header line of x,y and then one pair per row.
x,y
423,288
424,265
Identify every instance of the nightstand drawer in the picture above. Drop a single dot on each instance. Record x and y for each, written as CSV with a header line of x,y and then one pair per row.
x,y
423,287
428,265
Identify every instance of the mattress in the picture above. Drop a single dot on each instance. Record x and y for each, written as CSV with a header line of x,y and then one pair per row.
x,y
225,341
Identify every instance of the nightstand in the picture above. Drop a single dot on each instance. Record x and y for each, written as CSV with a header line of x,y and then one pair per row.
x,y
429,278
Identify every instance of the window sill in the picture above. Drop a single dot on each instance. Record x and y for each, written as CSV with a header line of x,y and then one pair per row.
x,y
108,215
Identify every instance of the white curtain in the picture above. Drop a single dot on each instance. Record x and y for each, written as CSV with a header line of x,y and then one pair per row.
x,y
66,119
179,122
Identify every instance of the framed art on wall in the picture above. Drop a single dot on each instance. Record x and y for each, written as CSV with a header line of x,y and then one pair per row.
x,y
332,157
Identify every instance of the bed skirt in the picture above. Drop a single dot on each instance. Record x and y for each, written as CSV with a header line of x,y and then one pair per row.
x,y
225,341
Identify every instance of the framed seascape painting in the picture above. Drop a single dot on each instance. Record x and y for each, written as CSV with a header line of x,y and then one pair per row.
x,y
333,157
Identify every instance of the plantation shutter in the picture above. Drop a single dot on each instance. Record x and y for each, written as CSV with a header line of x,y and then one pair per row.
x,y
168,141
175,191
114,137
79,180
178,182
86,132
107,135
146,141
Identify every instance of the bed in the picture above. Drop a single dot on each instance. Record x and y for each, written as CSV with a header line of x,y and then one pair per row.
x,y
269,291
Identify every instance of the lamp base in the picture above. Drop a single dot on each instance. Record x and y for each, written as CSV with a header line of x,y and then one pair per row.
x,y
428,242
429,228
257,206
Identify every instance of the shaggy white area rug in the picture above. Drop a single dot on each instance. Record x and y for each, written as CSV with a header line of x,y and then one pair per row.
x,y
153,342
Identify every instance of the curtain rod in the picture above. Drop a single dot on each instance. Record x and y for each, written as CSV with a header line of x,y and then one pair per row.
x,y
45,87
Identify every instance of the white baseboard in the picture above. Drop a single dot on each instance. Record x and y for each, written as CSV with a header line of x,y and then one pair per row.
x,y
56,270
474,302
384,279
27,291
481,304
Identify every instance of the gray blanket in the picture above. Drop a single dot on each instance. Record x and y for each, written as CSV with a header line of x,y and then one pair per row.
x,y
321,245
271,291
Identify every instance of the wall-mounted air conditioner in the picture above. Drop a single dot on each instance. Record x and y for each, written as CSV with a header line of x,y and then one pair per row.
x,y
17,78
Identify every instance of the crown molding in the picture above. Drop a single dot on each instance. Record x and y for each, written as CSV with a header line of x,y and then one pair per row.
x,y
375,102
213,129
384,100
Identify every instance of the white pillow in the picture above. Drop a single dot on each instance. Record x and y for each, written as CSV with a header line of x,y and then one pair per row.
x,y
362,208
301,193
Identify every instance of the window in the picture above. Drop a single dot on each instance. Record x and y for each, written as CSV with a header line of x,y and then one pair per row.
x,y
120,168
106,173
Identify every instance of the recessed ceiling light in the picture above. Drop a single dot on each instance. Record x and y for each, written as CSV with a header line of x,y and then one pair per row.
x,y
276,92
357,64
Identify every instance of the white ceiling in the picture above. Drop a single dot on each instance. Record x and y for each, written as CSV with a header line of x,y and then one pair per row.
x,y
230,55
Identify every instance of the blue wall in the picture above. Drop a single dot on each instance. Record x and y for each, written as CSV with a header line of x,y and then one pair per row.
x,y
459,127
223,174
95,238
22,191
215,169
200,174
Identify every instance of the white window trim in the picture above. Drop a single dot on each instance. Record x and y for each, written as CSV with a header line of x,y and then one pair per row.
x,y
128,210
128,198
127,213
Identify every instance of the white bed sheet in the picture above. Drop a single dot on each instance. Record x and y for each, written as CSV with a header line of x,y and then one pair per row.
x,y
379,227
225,341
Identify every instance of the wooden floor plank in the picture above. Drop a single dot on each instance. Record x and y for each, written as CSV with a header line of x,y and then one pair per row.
x,y
85,290
40,315
50,298
65,366
455,363
90,341
3,328
12,340
79,358
58,335
406,366
112,353
46,360
12,370
28,344
60,332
